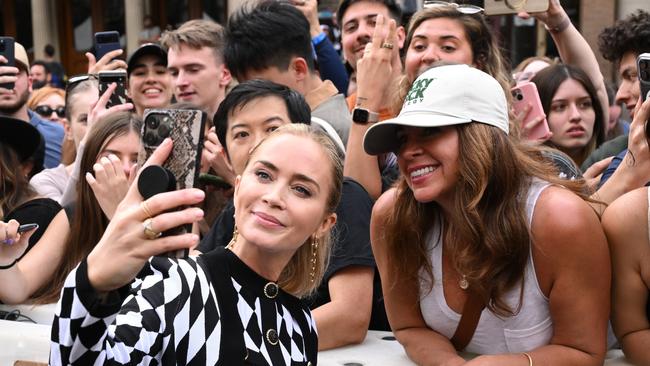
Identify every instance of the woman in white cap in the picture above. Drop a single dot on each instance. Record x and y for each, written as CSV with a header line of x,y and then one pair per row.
x,y
480,247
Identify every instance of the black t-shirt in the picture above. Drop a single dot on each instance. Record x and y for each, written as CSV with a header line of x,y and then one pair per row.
x,y
40,211
351,246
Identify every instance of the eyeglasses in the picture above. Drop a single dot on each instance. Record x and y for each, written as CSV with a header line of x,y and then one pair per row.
x,y
46,111
462,8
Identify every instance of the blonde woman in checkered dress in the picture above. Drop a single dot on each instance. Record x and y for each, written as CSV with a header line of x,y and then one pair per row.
x,y
233,306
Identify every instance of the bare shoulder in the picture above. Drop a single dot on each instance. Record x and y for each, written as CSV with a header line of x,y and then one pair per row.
x,y
625,222
628,212
565,222
384,205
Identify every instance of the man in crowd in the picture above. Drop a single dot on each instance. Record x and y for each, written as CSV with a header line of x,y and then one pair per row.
x,y
272,41
40,74
195,61
13,103
622,43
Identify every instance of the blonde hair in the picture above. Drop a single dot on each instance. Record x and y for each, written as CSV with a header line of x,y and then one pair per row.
x,y
41,94
196,34
297,276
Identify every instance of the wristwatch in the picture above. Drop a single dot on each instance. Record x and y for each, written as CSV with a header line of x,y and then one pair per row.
x,y
363,116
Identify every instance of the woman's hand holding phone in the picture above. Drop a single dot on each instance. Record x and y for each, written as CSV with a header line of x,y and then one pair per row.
x,y
531,126
8,74
108,62
552,18
14,239
99,110
126,244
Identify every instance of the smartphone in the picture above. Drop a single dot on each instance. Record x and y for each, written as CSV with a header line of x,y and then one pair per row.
x,y
119,94
26,227
526,94
214,180
7,50
186,129
106,42
643,68
499,7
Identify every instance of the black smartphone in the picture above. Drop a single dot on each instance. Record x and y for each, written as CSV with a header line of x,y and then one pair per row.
x,y
26,227
186,128
106,42
106,78
214,180
643,71
7,50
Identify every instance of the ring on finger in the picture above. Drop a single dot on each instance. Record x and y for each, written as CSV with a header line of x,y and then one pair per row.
x,y
148,230
387,45
145,209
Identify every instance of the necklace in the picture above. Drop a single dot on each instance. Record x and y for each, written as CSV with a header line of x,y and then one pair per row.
x,y
463,283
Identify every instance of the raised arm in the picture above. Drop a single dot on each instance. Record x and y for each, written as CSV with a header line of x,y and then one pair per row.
x,y
372,94
35,269
573,48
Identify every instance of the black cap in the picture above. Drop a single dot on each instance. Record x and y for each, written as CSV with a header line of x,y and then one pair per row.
x,y
20,135
146,49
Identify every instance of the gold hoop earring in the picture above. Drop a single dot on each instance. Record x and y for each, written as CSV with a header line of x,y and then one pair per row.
x,y
314,257
235,234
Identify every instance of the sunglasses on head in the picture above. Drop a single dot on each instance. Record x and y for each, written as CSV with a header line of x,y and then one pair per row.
x,y
46,111
76,80
462,8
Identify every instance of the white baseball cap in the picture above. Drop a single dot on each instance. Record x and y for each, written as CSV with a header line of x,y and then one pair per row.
x,y
443,96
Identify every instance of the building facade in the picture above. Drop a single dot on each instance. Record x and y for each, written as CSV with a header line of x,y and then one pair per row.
x,y
69,25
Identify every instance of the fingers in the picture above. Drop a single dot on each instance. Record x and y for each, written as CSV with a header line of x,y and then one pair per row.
x,y
169,200
9,233
167,244
108,61
91,62
379,34
170,220
597,168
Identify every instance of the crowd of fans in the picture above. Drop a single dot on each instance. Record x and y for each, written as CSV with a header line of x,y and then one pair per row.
x,y
394,189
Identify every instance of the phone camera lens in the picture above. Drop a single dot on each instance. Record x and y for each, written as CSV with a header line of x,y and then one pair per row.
x,y
643,65
164,130
152,122
150,139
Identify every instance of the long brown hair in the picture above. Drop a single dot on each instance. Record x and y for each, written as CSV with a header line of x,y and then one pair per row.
x,y
487,232
14,186
88,222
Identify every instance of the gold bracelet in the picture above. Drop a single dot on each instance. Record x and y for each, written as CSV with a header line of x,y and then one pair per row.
x,y
530,359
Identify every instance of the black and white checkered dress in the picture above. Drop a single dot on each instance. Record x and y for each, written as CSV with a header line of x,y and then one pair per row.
x,y
210,310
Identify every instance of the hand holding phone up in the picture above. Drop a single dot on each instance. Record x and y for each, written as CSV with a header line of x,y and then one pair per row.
x,y
8,71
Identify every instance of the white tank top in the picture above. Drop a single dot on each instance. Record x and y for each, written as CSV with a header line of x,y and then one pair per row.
x,y
530,328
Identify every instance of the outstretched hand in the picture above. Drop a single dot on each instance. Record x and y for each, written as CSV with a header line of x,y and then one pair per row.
x,y
107,62
553,17
127,242
380,66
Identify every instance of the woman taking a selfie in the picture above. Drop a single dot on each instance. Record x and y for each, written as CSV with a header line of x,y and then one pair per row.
x,y
465,236
232,304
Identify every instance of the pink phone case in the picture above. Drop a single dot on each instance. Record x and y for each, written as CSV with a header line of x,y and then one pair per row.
x,y
523,95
